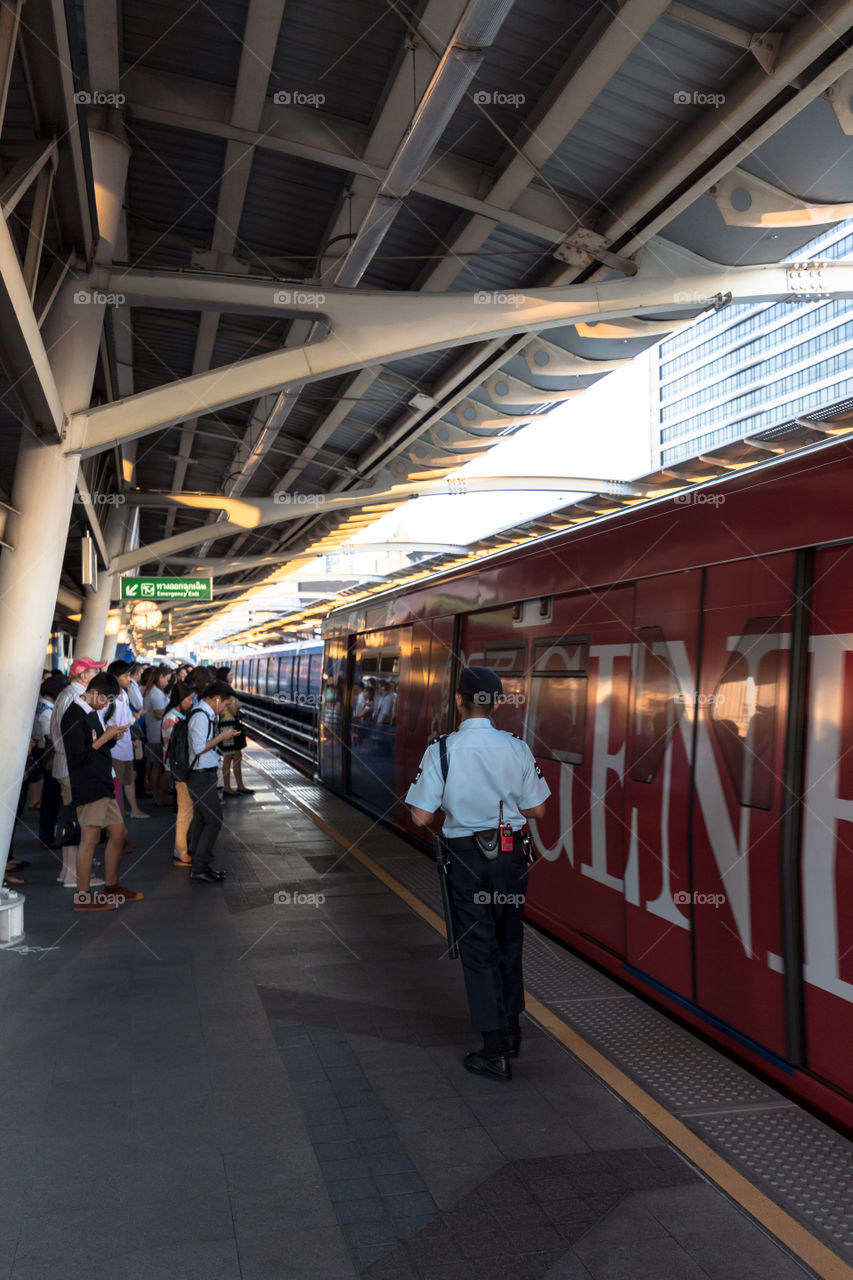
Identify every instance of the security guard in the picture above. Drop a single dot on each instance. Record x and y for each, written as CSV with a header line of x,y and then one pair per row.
x,y
492,784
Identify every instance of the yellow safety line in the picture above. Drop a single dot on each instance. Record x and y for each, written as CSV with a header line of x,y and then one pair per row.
x,y
770,1215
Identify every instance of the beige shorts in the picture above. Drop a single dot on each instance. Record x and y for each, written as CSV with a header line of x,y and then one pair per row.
x,y
65,789
100,813
123,770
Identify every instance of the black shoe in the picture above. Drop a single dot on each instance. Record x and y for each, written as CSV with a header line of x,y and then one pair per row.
x,y
514,1046
498,1068
206,876
217,875
245,791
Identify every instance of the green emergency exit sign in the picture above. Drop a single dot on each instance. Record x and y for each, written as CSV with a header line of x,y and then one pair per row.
x,y
167,589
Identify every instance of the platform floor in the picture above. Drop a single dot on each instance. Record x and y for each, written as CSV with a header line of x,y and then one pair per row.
x,y
245,1083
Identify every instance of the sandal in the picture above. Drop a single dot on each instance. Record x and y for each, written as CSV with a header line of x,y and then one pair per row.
x,y
16,864
9,881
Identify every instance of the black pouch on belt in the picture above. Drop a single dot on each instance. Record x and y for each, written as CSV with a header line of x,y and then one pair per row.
x,y
488,843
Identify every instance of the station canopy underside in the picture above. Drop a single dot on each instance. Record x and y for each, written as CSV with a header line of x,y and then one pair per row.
x,y
478,147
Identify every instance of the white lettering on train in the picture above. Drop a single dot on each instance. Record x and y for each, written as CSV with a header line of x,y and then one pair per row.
x,y
824,808
604,763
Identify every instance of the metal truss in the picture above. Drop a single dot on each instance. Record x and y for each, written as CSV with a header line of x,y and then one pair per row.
x,y
366,328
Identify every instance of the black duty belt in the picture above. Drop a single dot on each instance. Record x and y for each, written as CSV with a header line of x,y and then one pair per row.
x,y
487,842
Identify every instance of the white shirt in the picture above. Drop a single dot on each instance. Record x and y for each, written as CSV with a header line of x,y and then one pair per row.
x,y
385,708
485,766
72,692
201,728
41,724
134,696
154,700
122,748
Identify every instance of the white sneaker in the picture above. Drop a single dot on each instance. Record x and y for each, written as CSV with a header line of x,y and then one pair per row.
x,y
94,882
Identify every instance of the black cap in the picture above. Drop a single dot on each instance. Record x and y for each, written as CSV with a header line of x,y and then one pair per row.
x,y
480,683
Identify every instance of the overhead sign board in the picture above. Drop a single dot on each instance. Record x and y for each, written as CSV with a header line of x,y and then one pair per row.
x,y
167,588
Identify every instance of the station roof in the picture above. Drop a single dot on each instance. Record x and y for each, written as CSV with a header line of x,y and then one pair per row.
x,y
274,141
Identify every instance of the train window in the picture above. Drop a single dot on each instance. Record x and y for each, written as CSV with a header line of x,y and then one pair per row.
x,y
504,659
556,723
312,662
658,705
285,674
743,711
369,666
389,664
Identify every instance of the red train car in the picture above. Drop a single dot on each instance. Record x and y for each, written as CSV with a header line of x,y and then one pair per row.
x,y
683,673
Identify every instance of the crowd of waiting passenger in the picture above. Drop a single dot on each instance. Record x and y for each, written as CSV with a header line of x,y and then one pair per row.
x,y
100,748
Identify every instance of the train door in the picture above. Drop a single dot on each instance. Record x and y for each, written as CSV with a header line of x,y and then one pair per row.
x,y
333,697
827,827
376,660
738,799
658,779
424,699
569,700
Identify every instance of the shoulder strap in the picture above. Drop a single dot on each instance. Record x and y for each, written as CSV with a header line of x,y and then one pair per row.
x,y
442,756
208,734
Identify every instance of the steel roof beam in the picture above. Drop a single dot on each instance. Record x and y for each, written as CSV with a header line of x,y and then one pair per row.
x,y
22,351
367,328
258,512
724,137
307,134
402,150
44,42
260,37
594,64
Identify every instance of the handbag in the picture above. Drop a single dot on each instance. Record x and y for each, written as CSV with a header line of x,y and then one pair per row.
x,y
67,827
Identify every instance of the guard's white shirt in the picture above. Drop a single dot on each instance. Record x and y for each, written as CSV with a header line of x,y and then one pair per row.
x,y
485,766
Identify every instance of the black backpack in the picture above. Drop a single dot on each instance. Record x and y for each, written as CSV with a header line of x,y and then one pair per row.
x,y
179,759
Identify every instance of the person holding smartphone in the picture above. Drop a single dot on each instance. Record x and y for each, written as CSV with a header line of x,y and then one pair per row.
x,y
90,769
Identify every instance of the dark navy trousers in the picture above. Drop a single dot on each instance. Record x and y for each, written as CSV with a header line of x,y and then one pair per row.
x,y
487,900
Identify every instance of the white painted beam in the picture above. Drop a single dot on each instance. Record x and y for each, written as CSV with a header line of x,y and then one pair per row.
x,y
259,512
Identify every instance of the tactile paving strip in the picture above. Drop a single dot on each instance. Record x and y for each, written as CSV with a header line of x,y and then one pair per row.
x,y
799,1162
795,1159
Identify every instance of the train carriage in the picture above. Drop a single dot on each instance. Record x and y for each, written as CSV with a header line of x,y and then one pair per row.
x,y
684,676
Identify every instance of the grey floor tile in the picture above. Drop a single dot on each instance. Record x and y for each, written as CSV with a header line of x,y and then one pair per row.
x,y
213,1260
640,1260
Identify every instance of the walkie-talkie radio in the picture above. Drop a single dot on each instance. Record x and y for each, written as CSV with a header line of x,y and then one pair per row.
x,y
505,829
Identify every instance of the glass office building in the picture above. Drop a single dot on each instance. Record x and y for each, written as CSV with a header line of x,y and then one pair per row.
x,y
750,368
